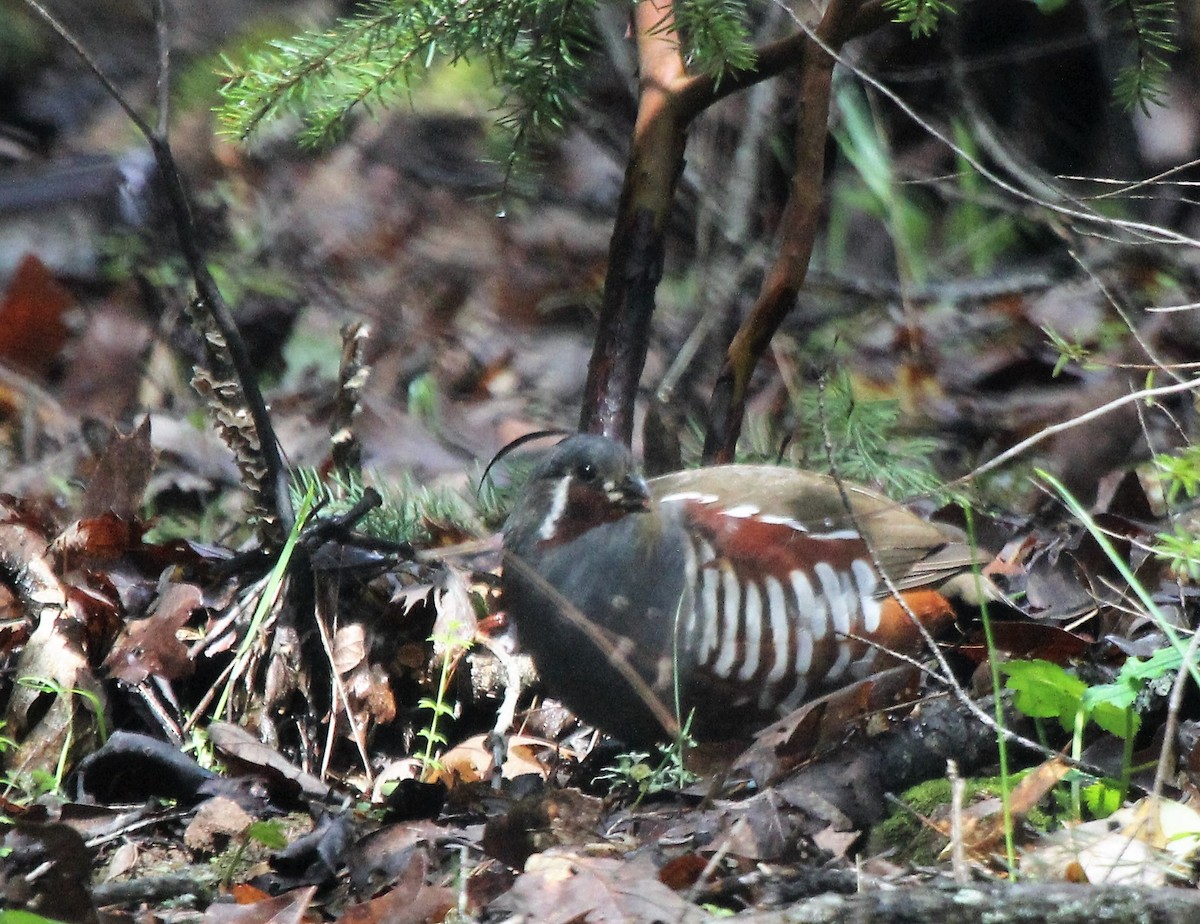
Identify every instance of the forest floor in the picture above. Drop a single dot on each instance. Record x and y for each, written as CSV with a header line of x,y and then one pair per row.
x,y
198,730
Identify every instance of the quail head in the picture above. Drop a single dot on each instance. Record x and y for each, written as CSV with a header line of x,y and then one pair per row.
x,y
732,593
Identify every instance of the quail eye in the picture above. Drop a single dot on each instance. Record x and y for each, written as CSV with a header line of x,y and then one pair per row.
x,y
586,471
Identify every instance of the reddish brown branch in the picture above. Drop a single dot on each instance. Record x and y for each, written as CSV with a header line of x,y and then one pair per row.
x,y
700,91
798,231
637,250
669,100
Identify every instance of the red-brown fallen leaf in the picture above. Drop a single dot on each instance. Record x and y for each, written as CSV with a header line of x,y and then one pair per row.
x,y
245,894
151,645
682,872
32,329
101,613
825,722
471,761
411,901
565,888
288,908
103,538
1026,640
120,476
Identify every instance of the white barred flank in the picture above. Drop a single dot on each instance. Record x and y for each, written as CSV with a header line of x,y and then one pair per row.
x,y
768,631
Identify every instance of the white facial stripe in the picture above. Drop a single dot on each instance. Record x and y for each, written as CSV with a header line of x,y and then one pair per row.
x,y
741,511
752,609
775,520
778,611
558,503
864,577
831,587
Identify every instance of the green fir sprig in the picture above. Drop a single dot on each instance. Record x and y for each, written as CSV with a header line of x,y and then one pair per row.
x,y
535,50
1152,29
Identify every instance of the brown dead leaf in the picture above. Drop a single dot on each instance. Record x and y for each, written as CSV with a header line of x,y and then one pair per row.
x,y
120,476
682,872
836,843
1010,561
216,821
377,859
984,825
245,752
96,539
26,566
1029,640
49,709
58,704
567,888
825,722
289,908
32,326
151,646
371,696
349,647
471,761
411,901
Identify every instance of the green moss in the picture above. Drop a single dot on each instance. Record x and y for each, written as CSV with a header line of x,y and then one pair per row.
x,y
907,839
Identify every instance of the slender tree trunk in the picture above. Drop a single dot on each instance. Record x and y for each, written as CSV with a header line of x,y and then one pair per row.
x,y
798,233
637,249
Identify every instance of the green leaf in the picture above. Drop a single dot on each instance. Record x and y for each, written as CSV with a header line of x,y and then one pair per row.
x,y
1045,691
25,917
1102,799
268,833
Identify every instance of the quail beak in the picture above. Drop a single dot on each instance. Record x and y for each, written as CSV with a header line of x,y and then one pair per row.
x,y
630,493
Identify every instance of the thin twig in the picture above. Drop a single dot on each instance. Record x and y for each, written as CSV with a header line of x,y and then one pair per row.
x,y
1174,704
1143,231
340,692
958,849
209,294
601,640
1054,429
946,677
1119,308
